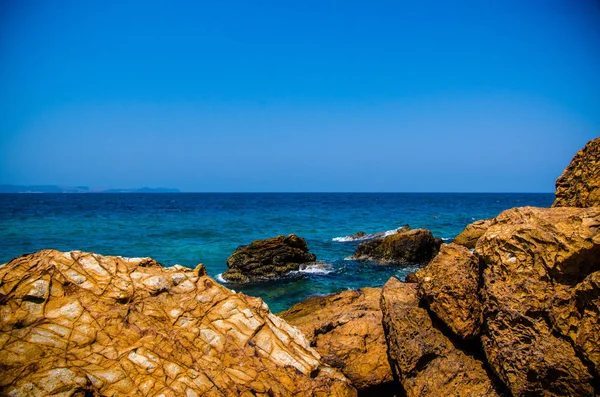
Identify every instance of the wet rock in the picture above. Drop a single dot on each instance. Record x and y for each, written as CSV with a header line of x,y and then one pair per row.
x,y
579,184
402,248
424,360
267,259
448,286
346,330
468,237
533,257
77,323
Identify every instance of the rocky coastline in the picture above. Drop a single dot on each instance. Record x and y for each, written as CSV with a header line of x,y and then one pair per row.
x,y
511,308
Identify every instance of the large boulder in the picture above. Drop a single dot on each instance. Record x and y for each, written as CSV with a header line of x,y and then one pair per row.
x,y
76,323
267,259
424,360
540,299
449,285
579,184
469,236
346,330
406,247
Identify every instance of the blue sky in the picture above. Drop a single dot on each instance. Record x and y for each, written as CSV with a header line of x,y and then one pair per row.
x,y
429,96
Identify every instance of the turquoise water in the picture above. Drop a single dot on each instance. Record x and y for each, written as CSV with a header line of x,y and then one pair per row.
x,y
206,228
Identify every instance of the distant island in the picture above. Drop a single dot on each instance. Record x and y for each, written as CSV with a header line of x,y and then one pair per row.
x,y
79,189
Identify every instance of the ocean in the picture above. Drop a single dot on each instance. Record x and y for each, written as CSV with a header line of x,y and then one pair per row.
x,y
192,228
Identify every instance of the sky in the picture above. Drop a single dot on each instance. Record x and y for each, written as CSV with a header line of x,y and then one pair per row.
x,y
297,96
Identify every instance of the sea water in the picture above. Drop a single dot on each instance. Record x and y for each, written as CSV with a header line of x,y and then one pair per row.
x,y
191,228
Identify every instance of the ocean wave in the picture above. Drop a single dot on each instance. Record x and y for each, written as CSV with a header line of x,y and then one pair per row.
x,y
220,278
316,268
364,237
447,238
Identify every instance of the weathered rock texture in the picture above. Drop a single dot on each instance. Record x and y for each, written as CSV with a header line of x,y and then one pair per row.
x,y
424,360
540,299
345,328
403,248
83,324
267,259
468,237
579,185
448,285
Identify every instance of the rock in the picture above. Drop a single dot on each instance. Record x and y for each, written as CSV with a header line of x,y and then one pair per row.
x,y
411,278
468,237
448,286
424,360
579,184
576,315
83,324
533,257
358,235
346,330
267,259
403,248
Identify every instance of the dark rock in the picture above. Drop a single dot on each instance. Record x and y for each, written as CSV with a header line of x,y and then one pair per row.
x,y
267,259
411,278
402,248
448,285
424,360
579,184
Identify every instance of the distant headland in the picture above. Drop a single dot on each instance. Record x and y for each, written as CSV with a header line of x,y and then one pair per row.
x,y
79,189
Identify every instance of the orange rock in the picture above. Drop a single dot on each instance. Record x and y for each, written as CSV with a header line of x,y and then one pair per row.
x,y
468,237
425,361
448,285
579,184
75,323
346,330
535,256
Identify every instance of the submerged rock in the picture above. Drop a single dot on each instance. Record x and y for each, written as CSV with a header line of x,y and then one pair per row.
x,y
346,330
468,237
77,323
403,248
448,285
267,259
425,361
579,184
540,299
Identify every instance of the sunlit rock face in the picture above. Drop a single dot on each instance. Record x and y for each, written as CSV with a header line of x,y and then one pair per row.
x,y
579,184
75,323
346,330
540,299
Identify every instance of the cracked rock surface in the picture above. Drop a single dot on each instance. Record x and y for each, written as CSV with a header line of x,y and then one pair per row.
x,y
540,299
75,323
579,184
424,360
448,285
346,329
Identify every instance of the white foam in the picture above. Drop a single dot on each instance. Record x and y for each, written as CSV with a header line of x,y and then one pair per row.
x,y
220,278
317,268
447,239
346,239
